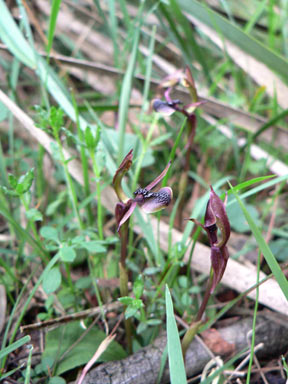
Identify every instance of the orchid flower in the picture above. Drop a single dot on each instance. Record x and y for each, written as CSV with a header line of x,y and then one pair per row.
x,y
216,218
149,201
169,106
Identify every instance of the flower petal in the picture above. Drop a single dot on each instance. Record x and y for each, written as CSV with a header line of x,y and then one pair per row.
x,y
173,79
158,201
158,178
190,108
219,258
122,169
218,208
129,208
189,83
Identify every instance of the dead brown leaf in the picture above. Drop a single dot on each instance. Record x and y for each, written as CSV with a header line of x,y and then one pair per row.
x,y
216,343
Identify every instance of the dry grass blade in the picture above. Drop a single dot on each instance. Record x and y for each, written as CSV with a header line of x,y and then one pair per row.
x,y
102,348
3,303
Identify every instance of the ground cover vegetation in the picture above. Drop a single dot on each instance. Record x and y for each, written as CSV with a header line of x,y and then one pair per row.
x,y
143,191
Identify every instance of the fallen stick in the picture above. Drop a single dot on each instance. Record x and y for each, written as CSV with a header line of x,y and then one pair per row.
x,y
143,367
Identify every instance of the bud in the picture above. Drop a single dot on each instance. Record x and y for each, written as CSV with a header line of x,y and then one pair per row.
x,y
216,218
216,214
189,83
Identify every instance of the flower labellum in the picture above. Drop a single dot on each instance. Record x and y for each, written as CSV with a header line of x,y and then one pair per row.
x,y
163,107
152,202
216,218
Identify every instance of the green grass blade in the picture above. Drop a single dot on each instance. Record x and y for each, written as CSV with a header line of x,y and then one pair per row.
x,y
255,17
175,357
28,369
52,23
269,123
14,346
197,51
149,62
13,38
254,321
269,257
259,188
23,234
241,39
48,267
247,184
125,95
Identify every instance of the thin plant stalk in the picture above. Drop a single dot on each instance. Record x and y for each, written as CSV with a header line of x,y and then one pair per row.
x,y
191,127
48,267
124,230
95,285
71,285
84,162
31,223
145,146
70,185
98,194
194,327
254,320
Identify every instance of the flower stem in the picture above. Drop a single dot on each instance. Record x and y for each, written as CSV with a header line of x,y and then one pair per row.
x,y
205,298
191,127
124,280
98,192
70,185
194,327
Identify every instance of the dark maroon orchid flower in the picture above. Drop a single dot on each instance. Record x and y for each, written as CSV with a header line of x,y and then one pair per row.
x,y
149,201
216,218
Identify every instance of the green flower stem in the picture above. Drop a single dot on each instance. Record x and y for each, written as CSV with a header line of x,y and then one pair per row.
x,y
194,327
98,194
189,336
145,146
70,185
30,222
84,161
95,285
123,274
205,298
40,180
191,127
